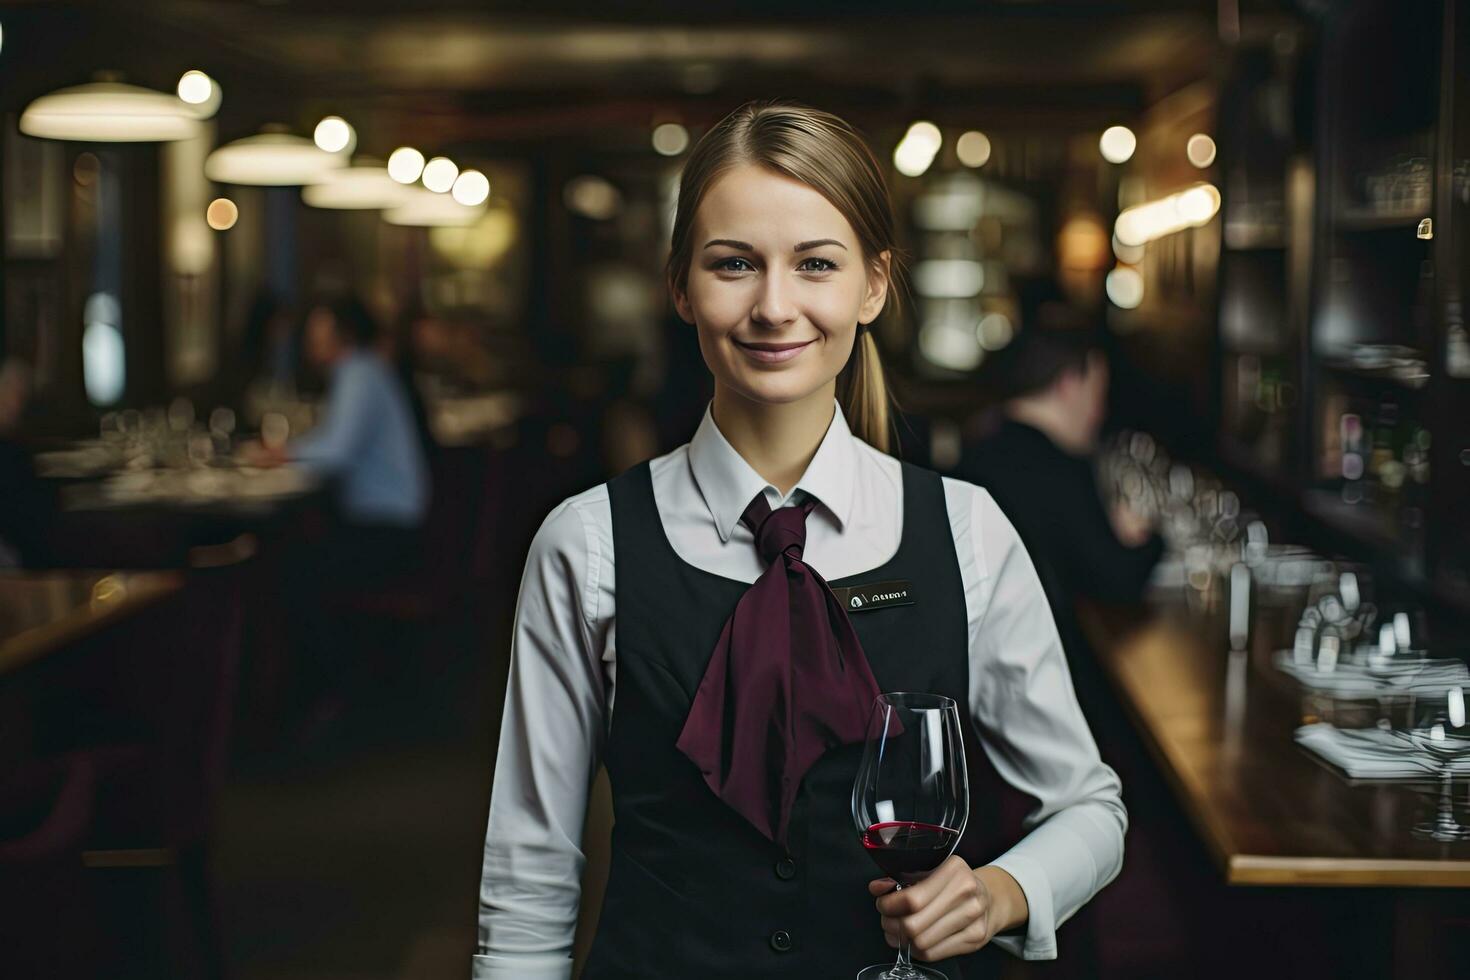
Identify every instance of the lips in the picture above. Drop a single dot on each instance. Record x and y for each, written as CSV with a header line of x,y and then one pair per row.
x,y
768,353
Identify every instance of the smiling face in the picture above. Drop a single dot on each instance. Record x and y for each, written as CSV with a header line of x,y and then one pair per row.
x,y
777,286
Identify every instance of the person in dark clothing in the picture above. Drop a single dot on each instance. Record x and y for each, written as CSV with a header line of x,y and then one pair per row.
x,y
1036,461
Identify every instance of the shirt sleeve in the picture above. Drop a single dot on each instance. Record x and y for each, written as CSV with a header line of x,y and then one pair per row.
x,y
345,423
551,739
1027,718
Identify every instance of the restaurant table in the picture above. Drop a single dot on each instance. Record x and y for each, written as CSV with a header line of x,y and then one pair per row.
x,y
43,612
151,518
1219,726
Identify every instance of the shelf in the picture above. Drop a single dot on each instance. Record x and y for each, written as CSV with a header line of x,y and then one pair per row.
x,y
1367,219
1377,378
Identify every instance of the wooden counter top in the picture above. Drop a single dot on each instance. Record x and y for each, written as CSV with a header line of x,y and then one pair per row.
x,y
1220,727
41,612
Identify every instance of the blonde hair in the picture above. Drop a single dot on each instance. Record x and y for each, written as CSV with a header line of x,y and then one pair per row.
x,y
824,152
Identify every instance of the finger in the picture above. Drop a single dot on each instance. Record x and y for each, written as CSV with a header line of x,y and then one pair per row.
x,y
920,895
881,886
959,944
964,924
900,903
956,885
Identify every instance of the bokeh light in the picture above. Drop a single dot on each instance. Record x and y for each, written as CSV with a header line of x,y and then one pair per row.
x,y
1201,150
439,174
973,148
1125,287
1117,144
471,188
405,165
195,87
670,139
221,214
334,135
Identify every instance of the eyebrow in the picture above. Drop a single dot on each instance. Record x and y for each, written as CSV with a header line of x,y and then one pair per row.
x,y
746,247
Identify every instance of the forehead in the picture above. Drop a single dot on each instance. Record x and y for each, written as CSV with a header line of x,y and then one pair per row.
x,y
768,210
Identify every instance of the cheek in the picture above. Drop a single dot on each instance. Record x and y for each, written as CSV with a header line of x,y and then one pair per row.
x,y
719,305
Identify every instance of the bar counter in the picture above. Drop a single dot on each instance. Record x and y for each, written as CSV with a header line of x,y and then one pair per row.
x,y
1219,726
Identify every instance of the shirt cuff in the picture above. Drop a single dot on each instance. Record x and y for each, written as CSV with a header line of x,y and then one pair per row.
x,y
511,966
1040,939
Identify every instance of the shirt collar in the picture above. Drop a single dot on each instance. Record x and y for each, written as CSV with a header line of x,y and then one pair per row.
x,y
728,483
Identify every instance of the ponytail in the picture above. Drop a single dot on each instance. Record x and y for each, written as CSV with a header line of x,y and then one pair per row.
x,y
864,395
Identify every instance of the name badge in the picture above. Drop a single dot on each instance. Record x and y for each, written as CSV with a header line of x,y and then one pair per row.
x,y
879,595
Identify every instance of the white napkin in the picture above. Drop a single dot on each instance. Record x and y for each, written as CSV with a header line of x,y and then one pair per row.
x,y
1356,680
1370,753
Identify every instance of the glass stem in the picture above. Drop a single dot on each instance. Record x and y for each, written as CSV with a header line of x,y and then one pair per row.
x,y
1446,802
902,968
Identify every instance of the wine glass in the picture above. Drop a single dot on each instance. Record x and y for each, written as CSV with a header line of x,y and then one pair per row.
x,y
911,798
1438,728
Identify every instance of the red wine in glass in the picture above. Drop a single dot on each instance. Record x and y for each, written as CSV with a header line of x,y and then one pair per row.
x,y
907,850
911,798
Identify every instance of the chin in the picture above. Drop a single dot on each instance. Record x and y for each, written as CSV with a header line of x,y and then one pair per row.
x,y
775,390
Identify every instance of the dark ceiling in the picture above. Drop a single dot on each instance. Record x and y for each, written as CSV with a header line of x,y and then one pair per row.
x,y
447,69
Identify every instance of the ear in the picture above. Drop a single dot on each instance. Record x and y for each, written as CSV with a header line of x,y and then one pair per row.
x,y
681,303
879,270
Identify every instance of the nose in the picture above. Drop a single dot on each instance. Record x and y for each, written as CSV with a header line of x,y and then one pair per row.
x,y
773,305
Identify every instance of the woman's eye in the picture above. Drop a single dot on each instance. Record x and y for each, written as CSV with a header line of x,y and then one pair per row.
x,y
727,265
815,264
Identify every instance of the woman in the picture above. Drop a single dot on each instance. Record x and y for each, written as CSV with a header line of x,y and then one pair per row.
x,y
734,852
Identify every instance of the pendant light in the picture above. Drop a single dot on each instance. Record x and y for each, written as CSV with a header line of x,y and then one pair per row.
x,y
363,186
108,111
273,158
426,209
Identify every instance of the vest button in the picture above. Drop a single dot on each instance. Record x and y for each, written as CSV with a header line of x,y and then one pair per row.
x,y
786,869
781,941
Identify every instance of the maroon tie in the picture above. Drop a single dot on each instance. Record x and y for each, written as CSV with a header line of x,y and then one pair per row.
x,y
787,680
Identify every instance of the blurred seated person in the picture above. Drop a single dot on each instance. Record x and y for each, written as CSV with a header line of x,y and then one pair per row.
x,y
367,441
1036,460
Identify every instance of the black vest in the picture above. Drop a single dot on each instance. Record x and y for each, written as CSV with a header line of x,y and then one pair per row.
x,y
694,890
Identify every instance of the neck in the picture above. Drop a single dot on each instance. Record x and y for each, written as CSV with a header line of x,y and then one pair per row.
x,y
778,441
1051,419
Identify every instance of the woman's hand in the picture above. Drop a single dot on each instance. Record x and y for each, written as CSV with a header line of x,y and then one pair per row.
x,y
954,911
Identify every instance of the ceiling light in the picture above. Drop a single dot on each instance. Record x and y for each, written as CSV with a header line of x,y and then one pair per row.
x,y
471,188
1117,144
363,186
334,135
973,148
108,112
271,159
439,174
427,209
405,164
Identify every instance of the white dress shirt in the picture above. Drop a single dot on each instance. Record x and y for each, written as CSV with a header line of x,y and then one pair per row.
x,y
560,696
